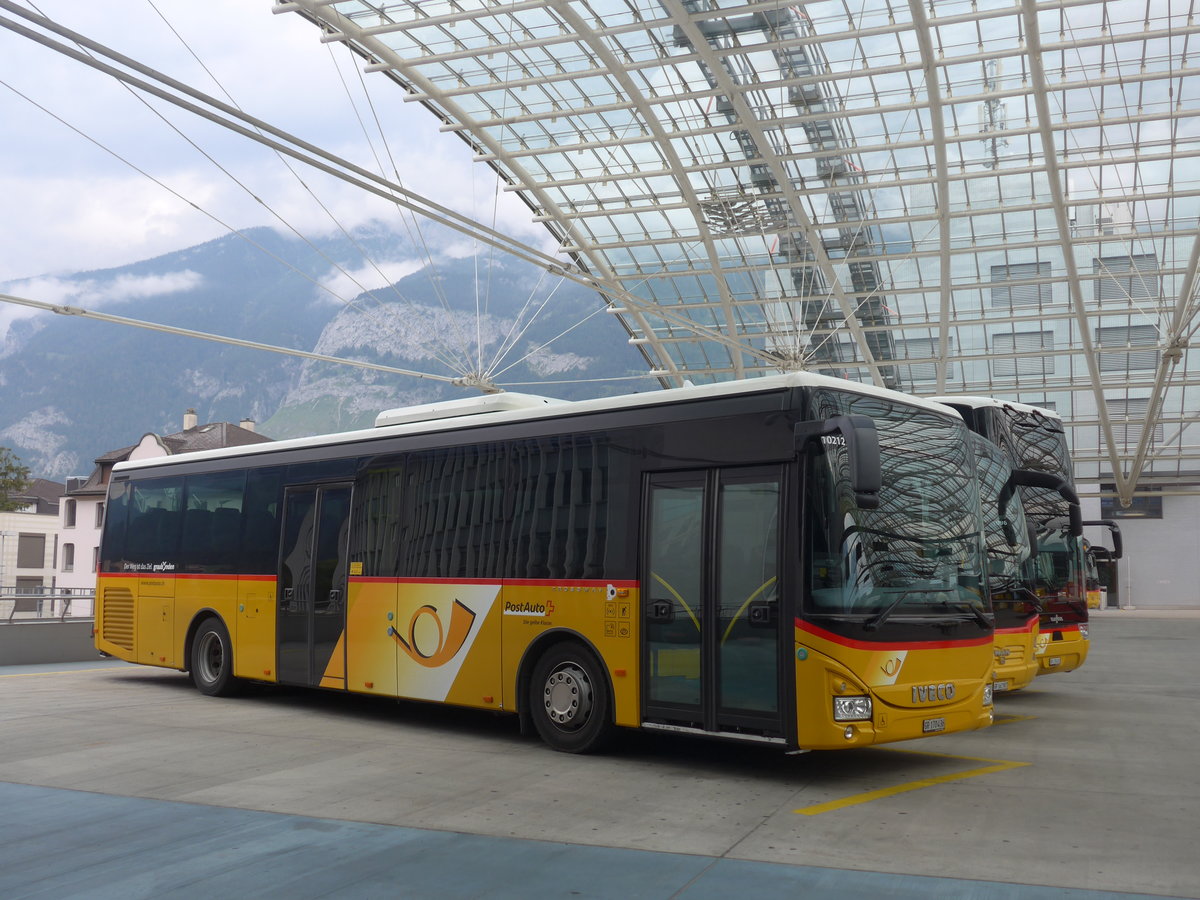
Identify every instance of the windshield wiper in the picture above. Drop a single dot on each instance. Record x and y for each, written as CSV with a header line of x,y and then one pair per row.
x,y
979,615
873,623
1031,599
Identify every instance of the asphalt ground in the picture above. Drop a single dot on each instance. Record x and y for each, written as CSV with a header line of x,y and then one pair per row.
x,y
123,781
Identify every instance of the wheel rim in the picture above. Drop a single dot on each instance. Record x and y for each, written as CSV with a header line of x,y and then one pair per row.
x,y
210,657
568,697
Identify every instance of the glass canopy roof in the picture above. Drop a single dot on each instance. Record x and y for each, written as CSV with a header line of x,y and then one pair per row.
x,y
942,197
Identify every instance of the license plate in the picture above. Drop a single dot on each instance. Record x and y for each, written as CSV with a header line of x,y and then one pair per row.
x,y
931,726
1000,686
1055,661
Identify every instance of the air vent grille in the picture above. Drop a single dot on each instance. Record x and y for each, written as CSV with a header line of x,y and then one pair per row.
x,y
117,617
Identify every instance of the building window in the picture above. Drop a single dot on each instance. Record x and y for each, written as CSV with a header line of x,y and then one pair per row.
x,y
68,560
1126,277
1127,336
1031,292
31,551
69,514
918,348
1032,342
1128,418
95,559
1149,507
99,515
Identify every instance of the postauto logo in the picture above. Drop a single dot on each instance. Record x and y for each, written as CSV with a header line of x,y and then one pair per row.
x,y
434,653
525,608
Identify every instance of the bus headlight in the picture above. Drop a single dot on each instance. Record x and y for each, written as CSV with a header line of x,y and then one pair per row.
x,y
987,695
1083,632
851,709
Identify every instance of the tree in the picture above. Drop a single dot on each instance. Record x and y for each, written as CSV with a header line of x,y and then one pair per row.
x,y
14,480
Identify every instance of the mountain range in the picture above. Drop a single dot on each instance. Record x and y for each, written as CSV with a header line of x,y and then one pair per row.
x,y
72,389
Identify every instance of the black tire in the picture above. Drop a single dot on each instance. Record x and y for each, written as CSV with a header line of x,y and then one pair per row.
x,y
212,660
569,699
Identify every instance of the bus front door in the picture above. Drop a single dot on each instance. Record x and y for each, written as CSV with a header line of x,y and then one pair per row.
x,y
312,585
711,602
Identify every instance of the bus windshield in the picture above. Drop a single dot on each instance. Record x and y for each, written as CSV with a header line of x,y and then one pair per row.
x,y
1039,444
1057,569
1006,534
920,553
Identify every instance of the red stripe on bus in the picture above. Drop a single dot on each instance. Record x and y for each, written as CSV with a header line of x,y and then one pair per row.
x,y
854,644
592,582
380,579
1027,628
191,576
1059,628
522,582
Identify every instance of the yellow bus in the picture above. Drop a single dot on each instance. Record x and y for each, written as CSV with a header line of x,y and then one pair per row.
x,y
1095,555
794,560
1009,547
1035,440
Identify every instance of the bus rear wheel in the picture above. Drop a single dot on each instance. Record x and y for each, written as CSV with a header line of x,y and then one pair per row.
x,y
212,660
569,699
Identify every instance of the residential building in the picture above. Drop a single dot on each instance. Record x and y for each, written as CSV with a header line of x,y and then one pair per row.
x,y
28,540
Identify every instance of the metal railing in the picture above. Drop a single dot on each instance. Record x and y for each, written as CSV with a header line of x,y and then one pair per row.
x,y
46,603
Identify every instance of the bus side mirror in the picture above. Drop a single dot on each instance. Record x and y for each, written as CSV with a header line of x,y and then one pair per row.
x,y
861,440
1118,546
1118,549
1010,533
1031,478
1076,520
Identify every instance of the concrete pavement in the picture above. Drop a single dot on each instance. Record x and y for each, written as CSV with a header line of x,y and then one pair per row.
x,y
1086,784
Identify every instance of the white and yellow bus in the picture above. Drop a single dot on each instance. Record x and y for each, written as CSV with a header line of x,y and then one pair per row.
x,y
793,560
1046,631
1009,547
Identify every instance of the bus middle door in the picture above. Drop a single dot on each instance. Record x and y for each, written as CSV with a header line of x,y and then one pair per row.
x,y
312,585
712,628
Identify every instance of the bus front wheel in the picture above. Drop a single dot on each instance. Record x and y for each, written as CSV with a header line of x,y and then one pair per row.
x,y
569,699
212,660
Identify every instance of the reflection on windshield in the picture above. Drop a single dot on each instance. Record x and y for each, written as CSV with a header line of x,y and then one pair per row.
x,y
1057,566
1040,444
1006,536
921,551
1055,574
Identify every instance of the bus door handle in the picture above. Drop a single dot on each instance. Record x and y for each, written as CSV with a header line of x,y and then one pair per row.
x,y
335,600
661,611
762,614
289,599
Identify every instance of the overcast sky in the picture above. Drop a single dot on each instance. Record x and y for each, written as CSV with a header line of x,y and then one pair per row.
x,y
69,205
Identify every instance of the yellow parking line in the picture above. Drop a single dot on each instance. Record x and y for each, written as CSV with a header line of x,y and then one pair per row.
x,y
997,765
59,672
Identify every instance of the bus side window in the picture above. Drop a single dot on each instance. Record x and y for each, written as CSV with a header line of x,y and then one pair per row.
x,y
558,508
116,513
154,521
374,531
451,517
212,521
260,522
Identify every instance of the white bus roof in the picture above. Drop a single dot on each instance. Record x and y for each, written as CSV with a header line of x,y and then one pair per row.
x,y
984,402
466,412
